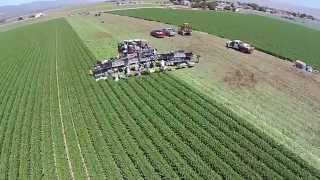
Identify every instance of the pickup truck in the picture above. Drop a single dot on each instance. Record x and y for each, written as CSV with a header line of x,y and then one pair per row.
x,y
240,46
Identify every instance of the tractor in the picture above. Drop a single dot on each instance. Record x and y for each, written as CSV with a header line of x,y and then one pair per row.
x,y
138,57
185,29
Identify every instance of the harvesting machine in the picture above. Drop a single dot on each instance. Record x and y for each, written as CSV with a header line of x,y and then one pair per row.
x,y
137,57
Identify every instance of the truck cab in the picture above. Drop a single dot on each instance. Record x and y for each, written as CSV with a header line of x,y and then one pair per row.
x,y
235,44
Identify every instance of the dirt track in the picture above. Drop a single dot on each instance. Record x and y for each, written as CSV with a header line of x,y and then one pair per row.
x,y
268,91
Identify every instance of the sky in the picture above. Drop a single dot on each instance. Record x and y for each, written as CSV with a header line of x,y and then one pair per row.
x,y
17,2
304,3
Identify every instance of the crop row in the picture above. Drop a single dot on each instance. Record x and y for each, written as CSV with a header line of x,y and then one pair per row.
x,y
270,156
17,97
259,139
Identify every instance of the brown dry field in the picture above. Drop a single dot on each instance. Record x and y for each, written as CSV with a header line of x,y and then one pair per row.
x,y
269,92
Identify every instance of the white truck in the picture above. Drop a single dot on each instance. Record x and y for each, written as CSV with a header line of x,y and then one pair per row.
x,y
169,32
302,65
240,46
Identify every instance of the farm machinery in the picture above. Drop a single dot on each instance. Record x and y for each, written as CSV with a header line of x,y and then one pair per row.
x,y
185,29
137,57
240,46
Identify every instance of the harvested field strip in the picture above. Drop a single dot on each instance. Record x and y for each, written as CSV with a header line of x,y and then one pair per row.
x,y
153,127
276,37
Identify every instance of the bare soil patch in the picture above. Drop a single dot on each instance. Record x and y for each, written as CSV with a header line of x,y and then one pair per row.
x,y
240,79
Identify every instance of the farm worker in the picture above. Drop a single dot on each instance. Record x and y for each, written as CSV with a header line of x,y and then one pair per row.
x,y
125,47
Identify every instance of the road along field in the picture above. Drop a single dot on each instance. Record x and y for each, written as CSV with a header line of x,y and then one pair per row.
x,y
58,123
273,36
266,91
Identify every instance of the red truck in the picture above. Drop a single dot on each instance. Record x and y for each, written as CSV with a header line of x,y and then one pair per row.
x,y
158,34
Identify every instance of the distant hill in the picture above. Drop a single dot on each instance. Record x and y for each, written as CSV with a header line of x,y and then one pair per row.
x,y
18,10
22,9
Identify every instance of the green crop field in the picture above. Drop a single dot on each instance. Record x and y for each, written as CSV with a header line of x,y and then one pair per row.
x,y
56,122
280,38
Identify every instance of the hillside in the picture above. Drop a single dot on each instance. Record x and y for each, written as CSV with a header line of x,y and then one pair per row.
x,y
13,11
